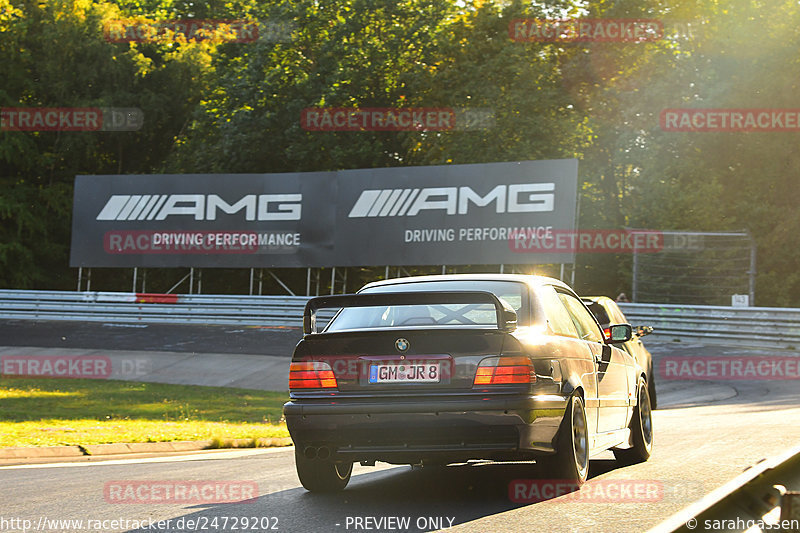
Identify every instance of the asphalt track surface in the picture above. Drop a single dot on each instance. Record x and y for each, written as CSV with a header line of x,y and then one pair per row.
x,y
706,433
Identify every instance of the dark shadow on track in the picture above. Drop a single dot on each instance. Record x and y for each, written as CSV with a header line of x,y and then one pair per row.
x,y
430,498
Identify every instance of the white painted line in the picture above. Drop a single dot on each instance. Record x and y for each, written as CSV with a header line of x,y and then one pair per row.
x,y
243,452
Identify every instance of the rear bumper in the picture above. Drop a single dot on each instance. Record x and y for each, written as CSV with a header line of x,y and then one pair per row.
x,y
430,429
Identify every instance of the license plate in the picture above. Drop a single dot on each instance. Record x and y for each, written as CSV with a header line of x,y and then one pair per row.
x,y
405,373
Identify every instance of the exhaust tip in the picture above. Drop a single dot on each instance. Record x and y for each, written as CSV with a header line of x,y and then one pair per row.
x,y
323,453
310,452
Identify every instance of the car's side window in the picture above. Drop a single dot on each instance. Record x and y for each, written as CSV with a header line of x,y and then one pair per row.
x,y
584,321
557,316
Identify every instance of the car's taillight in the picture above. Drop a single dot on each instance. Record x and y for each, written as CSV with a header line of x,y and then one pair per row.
x,y
311,375
607,333
504,370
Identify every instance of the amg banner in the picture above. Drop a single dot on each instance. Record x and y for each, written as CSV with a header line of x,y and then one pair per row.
x,y
453,214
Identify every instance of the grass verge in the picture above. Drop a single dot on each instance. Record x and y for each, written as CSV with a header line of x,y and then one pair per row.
x,y
53,412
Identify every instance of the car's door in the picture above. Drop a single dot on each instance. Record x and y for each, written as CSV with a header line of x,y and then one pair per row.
x,y
612,366
575,355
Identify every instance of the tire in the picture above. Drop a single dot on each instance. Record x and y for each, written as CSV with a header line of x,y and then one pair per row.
x,y
321,475
641,427
651,388
571,461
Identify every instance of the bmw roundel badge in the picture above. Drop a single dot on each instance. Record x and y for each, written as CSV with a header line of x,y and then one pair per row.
x,y
402,345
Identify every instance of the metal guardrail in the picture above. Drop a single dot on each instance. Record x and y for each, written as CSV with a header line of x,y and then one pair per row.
x,y
276,311
770,327
747,326
762,498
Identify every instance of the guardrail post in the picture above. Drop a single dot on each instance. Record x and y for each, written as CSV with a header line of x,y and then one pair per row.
x,y
752,271
635,280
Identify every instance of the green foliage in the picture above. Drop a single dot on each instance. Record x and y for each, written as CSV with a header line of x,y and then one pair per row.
x,y
40,412
235,107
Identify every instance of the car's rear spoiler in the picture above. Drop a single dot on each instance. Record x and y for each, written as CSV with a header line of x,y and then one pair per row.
x,y
506,316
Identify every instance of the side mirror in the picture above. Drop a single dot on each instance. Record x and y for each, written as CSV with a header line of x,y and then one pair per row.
x,y
509,320
619,333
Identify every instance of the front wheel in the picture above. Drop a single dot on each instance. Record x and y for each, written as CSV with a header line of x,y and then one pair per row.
x,y
571,462
641,427
321,475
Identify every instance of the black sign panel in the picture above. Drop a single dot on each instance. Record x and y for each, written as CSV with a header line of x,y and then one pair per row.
x,y
453,214
203,220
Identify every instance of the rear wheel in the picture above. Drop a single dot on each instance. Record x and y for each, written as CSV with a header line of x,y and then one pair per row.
x,y
321,475
641,429
571,462
651,388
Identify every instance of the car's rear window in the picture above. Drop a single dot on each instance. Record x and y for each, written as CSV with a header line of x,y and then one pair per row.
x,y
447,315
598,312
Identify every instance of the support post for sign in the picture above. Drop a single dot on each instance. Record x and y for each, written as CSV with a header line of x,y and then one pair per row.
x,y
635,277
333,278
444,269
177,284
281,283
386,275
135,273
260,280
561,276
199,281
344,282
144,280
501,268
80,275
752,271
191,279
308,281
252,273
318,275
88,279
